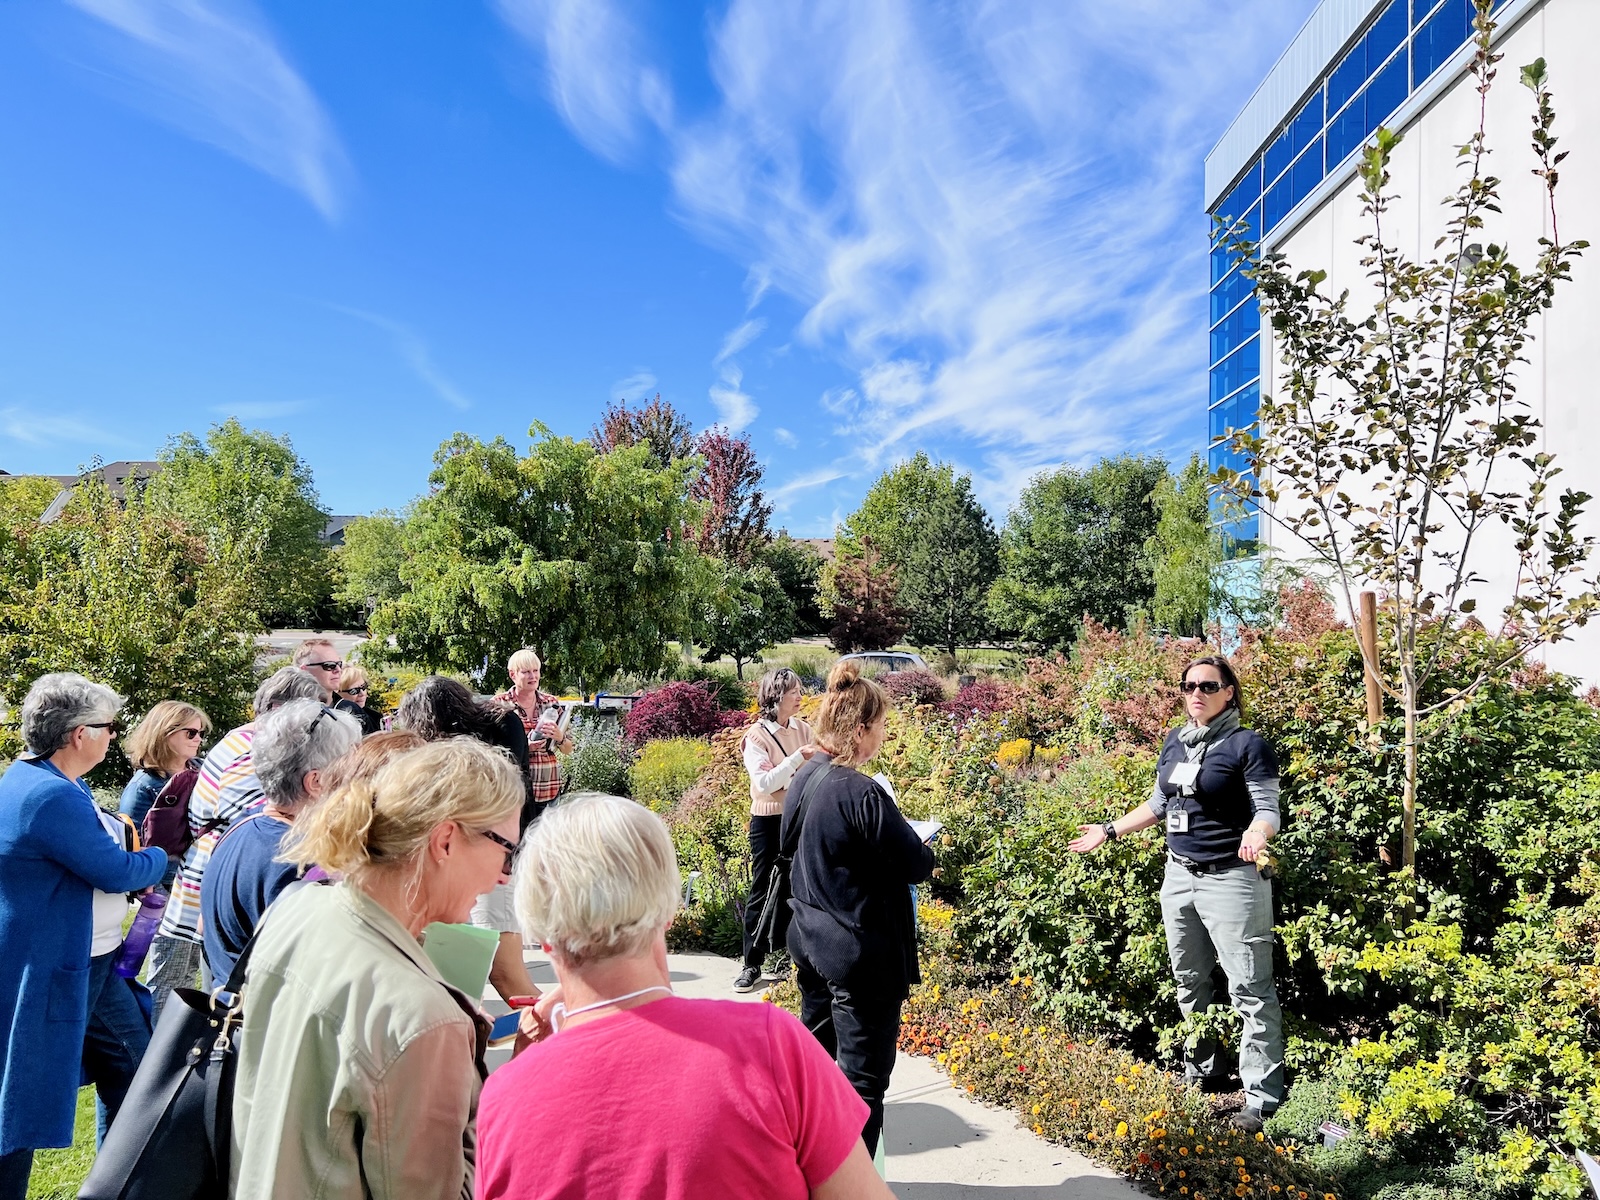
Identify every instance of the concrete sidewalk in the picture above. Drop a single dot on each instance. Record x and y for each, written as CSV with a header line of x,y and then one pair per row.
x,y
940,1143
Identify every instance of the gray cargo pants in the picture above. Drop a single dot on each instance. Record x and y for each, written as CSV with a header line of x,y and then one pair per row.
x,y
1228,917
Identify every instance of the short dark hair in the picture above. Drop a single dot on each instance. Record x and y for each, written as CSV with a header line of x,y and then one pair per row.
x,y
1225,669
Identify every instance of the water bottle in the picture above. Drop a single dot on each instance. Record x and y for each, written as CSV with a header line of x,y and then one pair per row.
x,y
130,959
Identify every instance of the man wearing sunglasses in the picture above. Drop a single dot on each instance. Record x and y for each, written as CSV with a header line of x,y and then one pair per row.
x,y
1216,795
317,658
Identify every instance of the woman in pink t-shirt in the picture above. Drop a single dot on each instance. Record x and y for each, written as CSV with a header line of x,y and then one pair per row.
x,y
640,1093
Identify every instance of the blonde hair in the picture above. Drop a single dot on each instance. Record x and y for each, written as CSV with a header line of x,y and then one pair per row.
x,y
146,744
850,701
596,878
307,650
381,822
368,757
349,677
526,657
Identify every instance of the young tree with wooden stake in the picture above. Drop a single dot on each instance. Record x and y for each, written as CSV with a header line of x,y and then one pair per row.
x,y
1398,438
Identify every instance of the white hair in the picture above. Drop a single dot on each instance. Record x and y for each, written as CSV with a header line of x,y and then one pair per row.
x,y
300,737
59,703
524,658
596,878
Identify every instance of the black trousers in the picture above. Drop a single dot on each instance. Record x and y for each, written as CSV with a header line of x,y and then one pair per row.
x,y
763,853
860,1031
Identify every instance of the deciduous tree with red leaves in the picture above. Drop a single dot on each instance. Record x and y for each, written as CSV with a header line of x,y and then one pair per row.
x,y
866,603
667,431
734,527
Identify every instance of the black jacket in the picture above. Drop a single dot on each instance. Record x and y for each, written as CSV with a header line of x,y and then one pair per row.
x,y
851,882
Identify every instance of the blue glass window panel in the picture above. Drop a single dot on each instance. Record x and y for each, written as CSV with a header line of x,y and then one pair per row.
x,y
1237,412
1243,322
1367,55
1306,173
1245,193
1276,205
1441,36
1238,369
1385,94
1306,125
1226,295
1348,129
1223,256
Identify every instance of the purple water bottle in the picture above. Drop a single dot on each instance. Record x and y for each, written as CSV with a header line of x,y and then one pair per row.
x,y
130,959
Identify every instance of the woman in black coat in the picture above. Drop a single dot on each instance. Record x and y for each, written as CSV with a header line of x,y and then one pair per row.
x,y
853,933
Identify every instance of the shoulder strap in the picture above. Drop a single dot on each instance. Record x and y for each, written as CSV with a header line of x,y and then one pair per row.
x,y
792,842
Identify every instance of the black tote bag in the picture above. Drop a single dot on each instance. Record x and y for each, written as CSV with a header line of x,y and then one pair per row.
x,y
172,1137
772,926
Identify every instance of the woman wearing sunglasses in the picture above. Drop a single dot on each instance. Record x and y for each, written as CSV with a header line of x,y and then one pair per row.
x,y
353,697
1216,795
161,745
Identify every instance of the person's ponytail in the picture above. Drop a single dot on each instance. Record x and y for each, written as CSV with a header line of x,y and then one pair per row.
x,y
850,702
333,834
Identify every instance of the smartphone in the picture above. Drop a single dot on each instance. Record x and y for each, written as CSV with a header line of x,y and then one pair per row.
x,y
505,1028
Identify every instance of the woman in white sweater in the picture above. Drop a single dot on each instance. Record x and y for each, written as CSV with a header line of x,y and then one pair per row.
x,y
774,748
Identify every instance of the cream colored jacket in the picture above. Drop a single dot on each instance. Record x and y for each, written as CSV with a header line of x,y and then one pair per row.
x,y
359,1068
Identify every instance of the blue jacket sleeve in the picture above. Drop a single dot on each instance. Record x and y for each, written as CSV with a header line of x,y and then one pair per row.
x,y
65,829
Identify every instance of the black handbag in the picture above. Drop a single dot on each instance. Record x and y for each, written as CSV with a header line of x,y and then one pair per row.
x,y
172,1137
772,926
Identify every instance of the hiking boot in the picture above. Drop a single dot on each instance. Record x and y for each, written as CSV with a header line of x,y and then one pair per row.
x,y
1248,1120
748,979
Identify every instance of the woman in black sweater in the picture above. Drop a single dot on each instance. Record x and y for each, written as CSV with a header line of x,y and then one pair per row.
x,y
853,934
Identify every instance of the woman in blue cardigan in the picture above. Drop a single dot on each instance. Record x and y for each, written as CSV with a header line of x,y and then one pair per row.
x,y
54,853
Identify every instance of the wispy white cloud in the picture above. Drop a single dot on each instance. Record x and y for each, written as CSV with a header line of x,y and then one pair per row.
x,y
414,352
992,218
36,428
264,410
736,407
214,69
785,437
784,494
632,387
738,339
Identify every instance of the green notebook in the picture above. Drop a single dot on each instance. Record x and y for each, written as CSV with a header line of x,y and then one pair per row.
x,y
462,954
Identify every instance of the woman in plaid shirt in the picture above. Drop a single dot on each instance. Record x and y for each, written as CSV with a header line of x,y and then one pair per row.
x,y
545,741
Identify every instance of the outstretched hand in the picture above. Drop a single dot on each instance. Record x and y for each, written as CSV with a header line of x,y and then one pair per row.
x,y
1090,837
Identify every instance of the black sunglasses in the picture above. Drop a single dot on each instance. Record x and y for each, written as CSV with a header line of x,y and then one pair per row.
x,y
510,848
114,726
335,665
1209,686
351,691
325,712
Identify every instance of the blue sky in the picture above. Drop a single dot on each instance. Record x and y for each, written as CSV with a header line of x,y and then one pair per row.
x,y
854,228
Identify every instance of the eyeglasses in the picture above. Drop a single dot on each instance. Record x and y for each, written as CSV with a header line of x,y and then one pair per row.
x,y
335,665
191,734
325,712
510,848
1209,686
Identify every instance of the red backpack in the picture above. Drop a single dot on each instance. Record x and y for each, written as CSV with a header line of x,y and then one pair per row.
x,y
166,825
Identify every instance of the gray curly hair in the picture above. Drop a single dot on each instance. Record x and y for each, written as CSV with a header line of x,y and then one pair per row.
x,y
771,690
59,703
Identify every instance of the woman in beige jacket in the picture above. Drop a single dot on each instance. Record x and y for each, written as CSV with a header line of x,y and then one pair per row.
x,y
360,1068
774,748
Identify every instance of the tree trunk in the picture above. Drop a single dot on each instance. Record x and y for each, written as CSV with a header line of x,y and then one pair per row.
x,y
1408,802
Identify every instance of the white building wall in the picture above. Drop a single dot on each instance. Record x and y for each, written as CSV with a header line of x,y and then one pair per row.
x,y
1561,379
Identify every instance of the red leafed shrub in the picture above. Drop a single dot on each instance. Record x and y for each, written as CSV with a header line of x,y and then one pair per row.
x,y
734,718
982,698
673,710
914,687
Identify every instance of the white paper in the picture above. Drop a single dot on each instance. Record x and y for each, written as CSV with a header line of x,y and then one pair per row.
x,y
882,781
1184,774
926,830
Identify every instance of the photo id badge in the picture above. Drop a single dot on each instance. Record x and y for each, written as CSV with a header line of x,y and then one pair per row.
x,y
1177,821
1184,775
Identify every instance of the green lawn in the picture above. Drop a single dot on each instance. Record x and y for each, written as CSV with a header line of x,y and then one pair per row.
x,y
57,1173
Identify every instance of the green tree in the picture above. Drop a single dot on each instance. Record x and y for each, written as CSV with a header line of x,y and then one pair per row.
x,y
931,530
948,569
1074,546
24,498
1185,552
1397,443
369,561
254,501
745,612
566,549
798,567
130,597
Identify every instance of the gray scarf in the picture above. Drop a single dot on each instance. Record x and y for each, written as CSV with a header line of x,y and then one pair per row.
x,y
1226,722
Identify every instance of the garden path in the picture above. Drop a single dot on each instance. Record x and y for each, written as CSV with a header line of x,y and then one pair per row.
x,y
941,1144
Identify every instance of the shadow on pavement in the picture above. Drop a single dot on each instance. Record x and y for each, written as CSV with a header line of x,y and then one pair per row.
x,y
912,1128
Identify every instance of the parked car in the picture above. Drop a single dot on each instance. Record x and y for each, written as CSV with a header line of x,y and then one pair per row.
x,y
886,662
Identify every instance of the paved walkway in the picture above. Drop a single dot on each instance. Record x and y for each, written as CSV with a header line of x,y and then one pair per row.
x,y
941,1144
